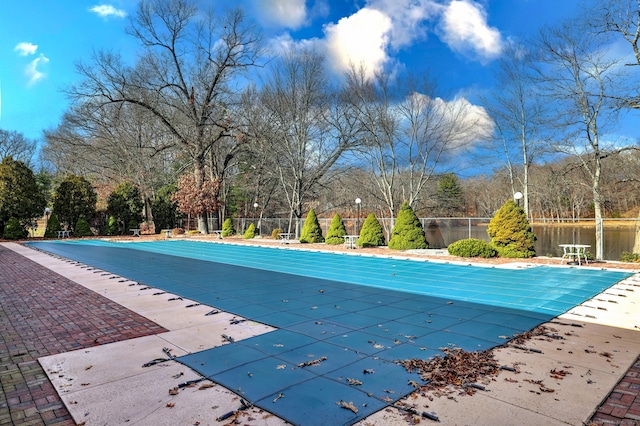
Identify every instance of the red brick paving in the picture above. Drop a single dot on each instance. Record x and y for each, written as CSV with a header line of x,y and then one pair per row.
x,y
43,313
622,406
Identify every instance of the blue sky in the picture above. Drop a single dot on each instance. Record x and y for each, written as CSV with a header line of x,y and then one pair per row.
x,y
456,41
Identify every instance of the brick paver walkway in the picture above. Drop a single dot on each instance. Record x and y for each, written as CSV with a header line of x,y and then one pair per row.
x,y
43,313
622,407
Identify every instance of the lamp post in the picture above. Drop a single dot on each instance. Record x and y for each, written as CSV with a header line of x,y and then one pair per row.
x,y
47,212
255,209
518,196
358,201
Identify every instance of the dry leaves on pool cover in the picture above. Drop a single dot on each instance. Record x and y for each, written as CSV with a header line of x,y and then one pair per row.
x,y
457,369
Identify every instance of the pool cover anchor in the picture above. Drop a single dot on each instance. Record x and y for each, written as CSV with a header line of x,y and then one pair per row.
x,y
245,405
415,412
167,352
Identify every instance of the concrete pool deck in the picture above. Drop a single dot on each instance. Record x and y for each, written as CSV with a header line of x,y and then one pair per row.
x,y
594,345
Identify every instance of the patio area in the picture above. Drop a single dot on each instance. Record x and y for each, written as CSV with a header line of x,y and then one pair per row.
x,y
144,301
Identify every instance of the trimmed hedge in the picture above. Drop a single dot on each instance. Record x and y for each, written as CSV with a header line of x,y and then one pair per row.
x,y
471,247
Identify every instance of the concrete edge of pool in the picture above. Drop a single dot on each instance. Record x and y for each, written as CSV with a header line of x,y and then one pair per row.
x,y
131,393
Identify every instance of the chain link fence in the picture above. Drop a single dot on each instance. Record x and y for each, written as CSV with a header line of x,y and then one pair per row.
x,y
618,234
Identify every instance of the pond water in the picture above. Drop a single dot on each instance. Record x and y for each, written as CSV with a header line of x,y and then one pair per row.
x,y
616,240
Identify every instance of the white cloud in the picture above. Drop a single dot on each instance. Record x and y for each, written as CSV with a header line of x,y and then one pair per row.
x,y
106,10
26,49
32,70
360,39
281,13
464,28
408,18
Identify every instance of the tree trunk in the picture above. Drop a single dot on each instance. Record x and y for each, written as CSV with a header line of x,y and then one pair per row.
x,y
199,181
636,244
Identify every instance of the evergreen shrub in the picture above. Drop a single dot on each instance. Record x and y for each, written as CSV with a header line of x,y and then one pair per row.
x,y
275,234
336,231
371,234
53,226
407,233
13,230
471,247
510,232
112,227
250,232
227,228
630,257
311,231
82,228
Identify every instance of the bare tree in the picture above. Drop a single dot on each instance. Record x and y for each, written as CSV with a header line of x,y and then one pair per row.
x,y
411,135
183,77
579,77
17,146
301,123
518,112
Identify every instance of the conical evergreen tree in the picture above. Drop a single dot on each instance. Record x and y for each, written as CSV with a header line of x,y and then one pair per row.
x,y
53,226
510,232
371,234
407,233
250,232
227,228
311,231
82,228
113,227
336,231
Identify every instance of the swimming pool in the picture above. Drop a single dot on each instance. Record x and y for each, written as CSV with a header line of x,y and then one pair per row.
x,y
354,313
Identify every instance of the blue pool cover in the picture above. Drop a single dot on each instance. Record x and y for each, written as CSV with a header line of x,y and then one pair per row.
x,y
343,321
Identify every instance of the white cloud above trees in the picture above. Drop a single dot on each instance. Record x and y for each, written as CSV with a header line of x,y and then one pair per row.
x,y
107,10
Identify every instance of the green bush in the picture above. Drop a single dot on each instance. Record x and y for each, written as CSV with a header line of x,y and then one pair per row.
x,y
275,234
471,247
371,234
250,232
311,231
336,231
630,257
53,226
227,228
13,230
407,233
82,228
510,232
113,227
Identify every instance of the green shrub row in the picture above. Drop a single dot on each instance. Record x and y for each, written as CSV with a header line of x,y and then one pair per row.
x,y
471,247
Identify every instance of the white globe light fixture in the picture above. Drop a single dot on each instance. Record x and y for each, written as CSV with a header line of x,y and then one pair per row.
x,y
518,196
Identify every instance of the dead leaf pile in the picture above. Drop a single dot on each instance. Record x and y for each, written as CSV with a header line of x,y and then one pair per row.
x,y
456,368
521,338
